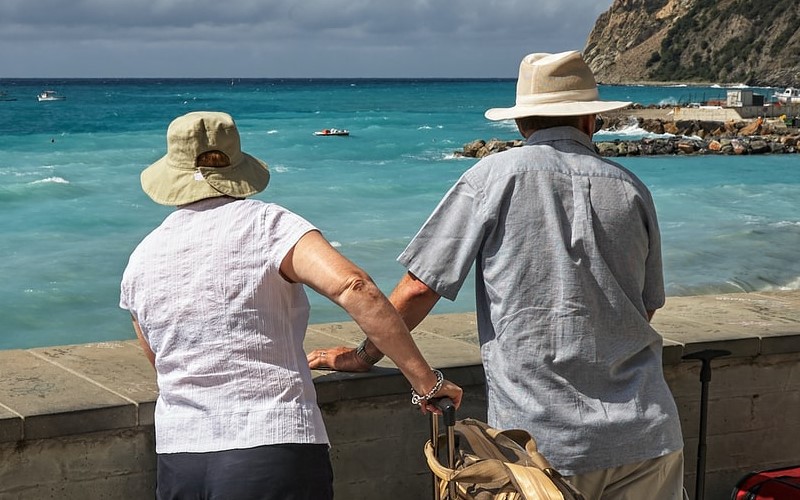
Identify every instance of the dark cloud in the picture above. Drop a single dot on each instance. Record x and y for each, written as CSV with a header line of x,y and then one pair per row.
x,y
274,38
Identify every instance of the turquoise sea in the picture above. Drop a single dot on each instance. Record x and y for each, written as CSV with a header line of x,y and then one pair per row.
x,y
72,209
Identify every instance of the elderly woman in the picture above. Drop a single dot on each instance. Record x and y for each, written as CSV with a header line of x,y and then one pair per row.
x,y
217,300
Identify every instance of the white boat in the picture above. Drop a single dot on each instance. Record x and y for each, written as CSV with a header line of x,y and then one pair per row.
x,y
789,96
332,131
50,95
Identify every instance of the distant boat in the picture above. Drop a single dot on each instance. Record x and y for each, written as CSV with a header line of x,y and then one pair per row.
x,y
332,131
50,95
5,97
789,96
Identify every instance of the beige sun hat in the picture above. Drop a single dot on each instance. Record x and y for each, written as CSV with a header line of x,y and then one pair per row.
x,y
555,85
176,179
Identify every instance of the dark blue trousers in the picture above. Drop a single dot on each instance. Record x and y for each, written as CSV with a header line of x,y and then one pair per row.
x,y
273,472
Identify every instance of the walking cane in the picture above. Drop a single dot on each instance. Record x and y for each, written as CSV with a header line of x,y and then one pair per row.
x,y
705,357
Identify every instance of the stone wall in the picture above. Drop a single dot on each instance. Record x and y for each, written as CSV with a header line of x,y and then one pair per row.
x,y
76,421
113,465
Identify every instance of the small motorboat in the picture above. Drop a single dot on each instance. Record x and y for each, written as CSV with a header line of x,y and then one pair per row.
x,y
50,95
789,96
332,131
5,97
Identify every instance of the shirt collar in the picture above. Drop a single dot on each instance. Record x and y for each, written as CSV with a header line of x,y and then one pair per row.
x,y
560,134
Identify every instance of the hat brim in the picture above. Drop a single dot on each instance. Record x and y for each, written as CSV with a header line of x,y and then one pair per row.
x,y
170,185
574,108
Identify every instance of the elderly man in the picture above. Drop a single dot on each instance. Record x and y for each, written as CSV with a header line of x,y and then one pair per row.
x,y
567,253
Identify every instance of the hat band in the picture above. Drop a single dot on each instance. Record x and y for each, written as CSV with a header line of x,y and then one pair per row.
x,y
560,96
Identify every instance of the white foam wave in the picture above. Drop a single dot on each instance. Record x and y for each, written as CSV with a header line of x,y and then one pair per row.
x,y
425,127
453,156
51,180
793,284
505,124
270,132
336,244
628,131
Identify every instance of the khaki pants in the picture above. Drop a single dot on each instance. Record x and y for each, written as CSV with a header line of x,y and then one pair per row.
x,y
655,479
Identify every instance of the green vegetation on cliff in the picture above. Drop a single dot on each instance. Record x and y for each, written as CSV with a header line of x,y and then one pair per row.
x,y
736,59
727,41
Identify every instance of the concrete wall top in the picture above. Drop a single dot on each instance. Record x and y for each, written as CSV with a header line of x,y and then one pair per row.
x,y
66,390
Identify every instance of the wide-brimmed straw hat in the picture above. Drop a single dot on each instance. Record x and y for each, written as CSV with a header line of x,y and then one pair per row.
x,y
176,179
555,85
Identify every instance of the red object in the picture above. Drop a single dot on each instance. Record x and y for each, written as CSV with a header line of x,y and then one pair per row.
x,y
774,484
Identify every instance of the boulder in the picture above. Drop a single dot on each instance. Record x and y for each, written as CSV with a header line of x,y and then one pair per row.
x,y
759,147
606,148
687,147
753,128
710,127
777,148
670,128
654,126
496,145
686,127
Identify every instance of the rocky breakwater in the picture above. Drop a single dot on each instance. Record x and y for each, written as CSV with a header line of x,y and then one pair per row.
x,y
682,137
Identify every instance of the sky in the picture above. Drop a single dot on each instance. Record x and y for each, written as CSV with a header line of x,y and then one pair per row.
x,y
286,38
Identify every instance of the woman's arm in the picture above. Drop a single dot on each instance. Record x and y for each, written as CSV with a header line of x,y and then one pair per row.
x,y
314,262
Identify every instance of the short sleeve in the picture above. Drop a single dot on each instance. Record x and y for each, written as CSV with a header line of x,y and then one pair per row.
x,y
283,230
444,249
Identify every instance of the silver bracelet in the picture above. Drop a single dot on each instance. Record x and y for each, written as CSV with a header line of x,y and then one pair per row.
x,y
363,355
416,399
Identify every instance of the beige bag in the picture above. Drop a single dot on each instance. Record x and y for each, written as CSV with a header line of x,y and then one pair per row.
x,y
494,464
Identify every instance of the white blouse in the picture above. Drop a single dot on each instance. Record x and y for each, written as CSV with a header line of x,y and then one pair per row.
x,y
226,329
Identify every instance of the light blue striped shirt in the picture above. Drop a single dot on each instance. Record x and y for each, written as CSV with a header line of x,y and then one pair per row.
x,y
568,262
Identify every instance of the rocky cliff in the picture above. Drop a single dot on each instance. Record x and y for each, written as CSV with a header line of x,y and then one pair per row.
x,y
756,42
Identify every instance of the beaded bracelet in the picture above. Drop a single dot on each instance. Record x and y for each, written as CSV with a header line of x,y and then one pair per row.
x,y
416,399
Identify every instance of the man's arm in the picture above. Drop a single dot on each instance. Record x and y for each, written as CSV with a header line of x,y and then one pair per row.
x,y
413,299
